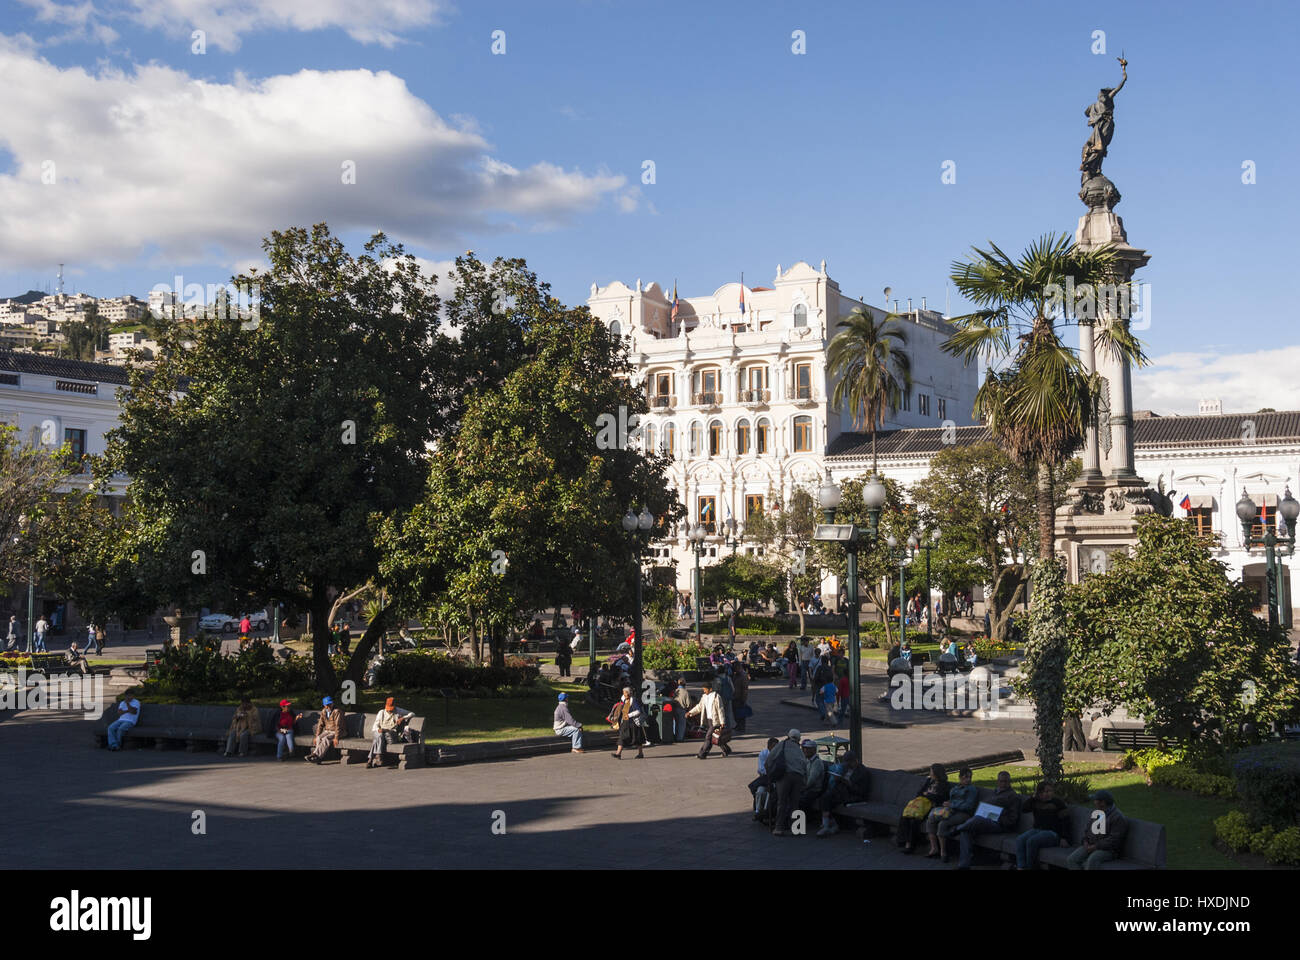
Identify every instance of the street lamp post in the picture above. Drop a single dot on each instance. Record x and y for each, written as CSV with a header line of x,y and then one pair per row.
x,y
1279,611
696,536
637,525
31,586
927,546
902,555
873,497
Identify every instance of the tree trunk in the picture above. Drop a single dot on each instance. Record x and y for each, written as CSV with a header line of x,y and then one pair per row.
x,y
1046,514
361,654
496,645
802,630
326,681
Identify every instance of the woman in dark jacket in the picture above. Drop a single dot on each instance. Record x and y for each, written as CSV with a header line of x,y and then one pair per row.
x,y
627,716
935,789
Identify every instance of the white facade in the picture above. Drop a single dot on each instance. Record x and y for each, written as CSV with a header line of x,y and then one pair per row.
x,y
740,400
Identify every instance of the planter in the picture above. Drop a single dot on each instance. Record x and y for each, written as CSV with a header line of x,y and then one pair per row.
x,y
180,626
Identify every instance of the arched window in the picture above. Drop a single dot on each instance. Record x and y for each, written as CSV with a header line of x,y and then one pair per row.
x,y
742,438
715,438
800,315
670,440
802,434
693,447
615,330
762,437
648,438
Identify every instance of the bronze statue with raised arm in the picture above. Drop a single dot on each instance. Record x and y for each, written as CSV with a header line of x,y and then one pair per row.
x,y
1101,117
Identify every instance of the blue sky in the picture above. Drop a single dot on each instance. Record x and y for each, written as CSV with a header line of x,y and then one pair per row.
x,y
173,162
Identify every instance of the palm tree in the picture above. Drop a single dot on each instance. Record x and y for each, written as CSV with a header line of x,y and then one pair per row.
x,y
873,369
1039,403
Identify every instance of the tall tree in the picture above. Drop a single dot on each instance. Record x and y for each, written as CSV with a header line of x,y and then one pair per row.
x,y
786,532
522,509
30,475
741,580
874,370
260,458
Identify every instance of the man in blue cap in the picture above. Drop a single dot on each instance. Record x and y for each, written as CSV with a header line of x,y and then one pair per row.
x,y
1103,838
565,725
329,729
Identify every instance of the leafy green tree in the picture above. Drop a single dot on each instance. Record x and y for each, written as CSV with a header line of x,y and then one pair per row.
x,y
523,506
742,580
30,476
787,536
1167,635
874,370
661,608
261,458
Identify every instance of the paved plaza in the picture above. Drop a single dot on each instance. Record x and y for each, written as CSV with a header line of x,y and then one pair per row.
x,y
135,808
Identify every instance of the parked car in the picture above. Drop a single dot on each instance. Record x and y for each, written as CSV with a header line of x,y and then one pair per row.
x,y
219,621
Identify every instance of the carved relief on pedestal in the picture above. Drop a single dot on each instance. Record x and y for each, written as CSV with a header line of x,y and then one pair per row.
x,y
1103,416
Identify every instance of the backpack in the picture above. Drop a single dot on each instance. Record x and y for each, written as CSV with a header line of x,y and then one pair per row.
x,y
776,768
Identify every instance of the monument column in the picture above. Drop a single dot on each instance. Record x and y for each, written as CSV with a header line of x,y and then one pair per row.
x,y
1091,452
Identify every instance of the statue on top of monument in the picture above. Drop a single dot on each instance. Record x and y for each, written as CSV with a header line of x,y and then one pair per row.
x,y
1101,117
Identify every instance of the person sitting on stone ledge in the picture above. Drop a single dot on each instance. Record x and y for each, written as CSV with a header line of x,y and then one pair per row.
x,y
329,730
814,778
566,725
244,725
933,793
847,782
1104,839
75,658
943,821
389,727
1005,822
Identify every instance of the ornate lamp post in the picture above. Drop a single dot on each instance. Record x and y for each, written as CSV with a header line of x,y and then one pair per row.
x,y
696,536
902,555
927,546
637,526
873,498
1279,610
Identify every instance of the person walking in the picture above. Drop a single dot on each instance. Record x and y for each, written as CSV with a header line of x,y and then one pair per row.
x,y
805,662
626,718
566,725
92,640
11,640
42,628
682,698
740,709
563,659
727,694
713,715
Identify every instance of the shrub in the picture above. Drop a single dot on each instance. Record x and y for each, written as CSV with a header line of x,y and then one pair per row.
x,y
1259,841
1233,828
670,655
1151,759
433,670
197,671
1285,847
1268,782
1074,790
1182,776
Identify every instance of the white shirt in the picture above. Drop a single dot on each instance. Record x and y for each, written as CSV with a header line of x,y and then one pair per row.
x,y
762,761
130,719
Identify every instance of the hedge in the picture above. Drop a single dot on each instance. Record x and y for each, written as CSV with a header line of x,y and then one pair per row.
x,y
432,670
1276,846
1268,782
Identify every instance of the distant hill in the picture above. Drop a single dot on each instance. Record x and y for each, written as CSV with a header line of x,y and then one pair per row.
x,y
31,296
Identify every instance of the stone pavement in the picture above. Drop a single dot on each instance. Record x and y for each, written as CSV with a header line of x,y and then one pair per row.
x,y
134,809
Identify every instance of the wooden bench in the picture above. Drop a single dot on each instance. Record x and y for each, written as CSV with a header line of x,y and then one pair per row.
x,y
1129,738
890,790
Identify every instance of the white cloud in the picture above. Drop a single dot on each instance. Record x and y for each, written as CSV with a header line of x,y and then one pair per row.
x,y
225,22
156,163
1244,382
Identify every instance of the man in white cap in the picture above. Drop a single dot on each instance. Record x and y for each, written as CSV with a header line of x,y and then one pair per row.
x,y
787,771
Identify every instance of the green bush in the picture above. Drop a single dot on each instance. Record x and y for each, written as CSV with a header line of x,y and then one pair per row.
x,y
432,670
1268,782
1259,841
1151,759
197,671
1285,847
1075,790
671,655
1183,776
1233,828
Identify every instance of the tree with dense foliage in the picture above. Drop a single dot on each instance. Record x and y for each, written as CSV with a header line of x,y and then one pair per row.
x,y
874,370
1165,634
30,475
742,580
522,508
786,534
261,455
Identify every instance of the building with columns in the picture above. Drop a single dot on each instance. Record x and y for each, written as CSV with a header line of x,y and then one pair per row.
x,y
739,393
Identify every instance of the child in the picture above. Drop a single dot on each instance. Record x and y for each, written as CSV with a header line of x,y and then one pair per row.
x,y
842,691
827,701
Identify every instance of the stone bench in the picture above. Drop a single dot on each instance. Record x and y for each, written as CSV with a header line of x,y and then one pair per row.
x,y
355,746
195,725
890,791
446,754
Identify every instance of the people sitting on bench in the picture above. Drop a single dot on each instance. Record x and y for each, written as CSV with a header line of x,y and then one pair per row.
x,y
244,725
933,792
1104,838
847,782
389,727
76,659
284,745
945,819
566,725
814,777
1006,820
761,780
128,714
1051,823
329,729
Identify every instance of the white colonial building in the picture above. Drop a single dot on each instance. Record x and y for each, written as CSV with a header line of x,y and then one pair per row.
x,y
1209,461
739,393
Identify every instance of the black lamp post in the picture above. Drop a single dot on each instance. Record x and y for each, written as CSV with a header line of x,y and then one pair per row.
x,y
902,555
873,497
927,546
637,526
1279,610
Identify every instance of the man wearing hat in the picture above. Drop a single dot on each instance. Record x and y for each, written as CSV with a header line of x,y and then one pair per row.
x,y
389,723
787,770
1103,839
814,780
329,728
566,725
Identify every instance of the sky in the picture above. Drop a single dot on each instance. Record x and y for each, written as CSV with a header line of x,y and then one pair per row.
x,y
685,142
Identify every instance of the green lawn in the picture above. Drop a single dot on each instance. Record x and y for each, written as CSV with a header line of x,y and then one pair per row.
x,y
1188,817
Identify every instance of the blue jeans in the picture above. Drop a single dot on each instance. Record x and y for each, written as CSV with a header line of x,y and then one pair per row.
x,y
1030,842
573,733
805,674
1081,859
967,832
283,743
679,726
93,642
39,646
115,731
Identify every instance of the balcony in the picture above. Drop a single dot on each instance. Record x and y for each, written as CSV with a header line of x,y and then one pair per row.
x,y
664,401
708,400
755,398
